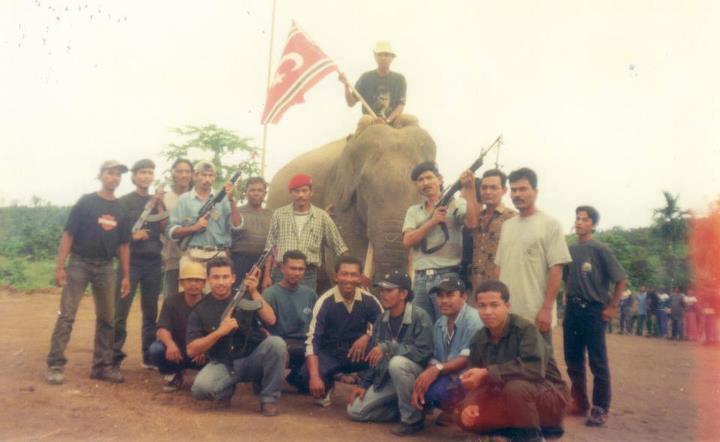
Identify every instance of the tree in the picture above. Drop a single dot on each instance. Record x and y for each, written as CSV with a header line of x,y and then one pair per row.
x,y
229,151
671,226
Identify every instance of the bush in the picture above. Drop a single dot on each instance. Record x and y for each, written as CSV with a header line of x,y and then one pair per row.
x,y
12,272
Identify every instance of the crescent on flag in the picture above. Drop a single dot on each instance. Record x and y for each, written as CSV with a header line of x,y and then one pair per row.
x,y
301,66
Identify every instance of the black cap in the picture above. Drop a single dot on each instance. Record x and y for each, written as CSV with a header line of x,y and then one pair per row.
x,y
449,284
395,280
424,167
145,163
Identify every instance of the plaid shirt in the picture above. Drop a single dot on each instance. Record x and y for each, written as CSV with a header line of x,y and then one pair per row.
x,y
319,229
485,243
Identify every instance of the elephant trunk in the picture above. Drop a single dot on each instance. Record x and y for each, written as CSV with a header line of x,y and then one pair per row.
x,y
389,252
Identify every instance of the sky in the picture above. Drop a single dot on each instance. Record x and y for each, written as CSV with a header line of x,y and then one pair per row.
x,y
610,102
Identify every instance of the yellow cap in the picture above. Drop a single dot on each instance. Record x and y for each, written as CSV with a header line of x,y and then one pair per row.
x,y
192,270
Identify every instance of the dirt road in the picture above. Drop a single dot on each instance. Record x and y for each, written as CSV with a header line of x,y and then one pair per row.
x,y
661,390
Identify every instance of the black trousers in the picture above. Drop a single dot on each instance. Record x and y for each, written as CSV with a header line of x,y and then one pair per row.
x,y
584,329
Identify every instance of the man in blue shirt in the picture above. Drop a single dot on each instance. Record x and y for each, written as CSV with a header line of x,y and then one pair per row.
x,y
439,385
209,236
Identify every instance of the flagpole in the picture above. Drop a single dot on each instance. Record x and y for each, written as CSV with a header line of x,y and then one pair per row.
x,y
267,87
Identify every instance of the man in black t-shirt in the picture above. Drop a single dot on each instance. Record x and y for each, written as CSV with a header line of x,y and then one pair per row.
x,y
94,234
169,352
384,91
145,261
238,350
589,308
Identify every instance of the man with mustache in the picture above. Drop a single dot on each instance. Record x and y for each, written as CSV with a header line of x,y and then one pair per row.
x,y
531,255
304,227
182,172
433,235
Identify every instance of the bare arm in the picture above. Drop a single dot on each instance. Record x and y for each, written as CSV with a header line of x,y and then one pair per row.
x,y
396,113
124,255
66,242
611,309
202,345
412,238
163,335
473,208
544,316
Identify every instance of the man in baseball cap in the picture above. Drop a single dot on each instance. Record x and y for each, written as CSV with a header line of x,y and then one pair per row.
x,y
439,385
112,164
169,352
402,334
300,226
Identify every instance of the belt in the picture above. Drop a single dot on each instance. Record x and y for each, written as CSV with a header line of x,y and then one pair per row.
x,y
440,271
209,248
582,303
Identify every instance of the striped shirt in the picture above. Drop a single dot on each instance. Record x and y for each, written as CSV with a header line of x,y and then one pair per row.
x,y
318,230
335,324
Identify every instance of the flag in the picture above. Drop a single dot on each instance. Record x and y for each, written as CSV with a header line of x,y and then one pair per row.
x,y
301,66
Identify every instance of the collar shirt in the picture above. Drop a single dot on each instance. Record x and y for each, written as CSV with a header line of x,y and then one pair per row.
x,y
319,229
217,233
485,242
450,254
449,346
520,354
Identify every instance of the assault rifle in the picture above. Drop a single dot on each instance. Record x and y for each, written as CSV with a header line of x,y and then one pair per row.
x,y
448,195
240,301
207,208
145,216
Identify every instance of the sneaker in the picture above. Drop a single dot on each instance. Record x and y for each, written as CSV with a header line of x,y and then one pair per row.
x,y
269,409
148,366
326,400
55,376
173,382
403,429
108,374
598,417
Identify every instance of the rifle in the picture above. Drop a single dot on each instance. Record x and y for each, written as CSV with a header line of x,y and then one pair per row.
x,y
207,208
448,195
145,216
240,300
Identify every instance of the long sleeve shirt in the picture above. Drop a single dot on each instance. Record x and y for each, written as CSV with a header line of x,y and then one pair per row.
x,y
521,353
413,341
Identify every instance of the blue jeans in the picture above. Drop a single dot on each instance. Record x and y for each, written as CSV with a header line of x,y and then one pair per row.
x,y
147,275
309,279
100,275
392,398
661,326
265,364
330,362
422,284
445,393
156,353
640,324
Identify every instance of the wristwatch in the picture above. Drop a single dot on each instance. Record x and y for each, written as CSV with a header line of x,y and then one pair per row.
x,y
439,367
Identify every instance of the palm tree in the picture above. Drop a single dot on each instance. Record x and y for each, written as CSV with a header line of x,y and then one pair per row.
x,y
671,225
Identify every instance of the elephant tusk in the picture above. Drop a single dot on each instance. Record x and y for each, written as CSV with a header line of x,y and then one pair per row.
x,y
369,261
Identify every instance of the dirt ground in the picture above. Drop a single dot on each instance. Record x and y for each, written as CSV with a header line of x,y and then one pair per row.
x,y
661,390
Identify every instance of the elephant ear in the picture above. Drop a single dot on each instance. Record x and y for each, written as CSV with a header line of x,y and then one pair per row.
x,y
350,165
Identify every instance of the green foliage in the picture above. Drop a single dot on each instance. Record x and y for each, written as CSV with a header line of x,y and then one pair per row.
x,y
229,152
671,228
12,272
31,231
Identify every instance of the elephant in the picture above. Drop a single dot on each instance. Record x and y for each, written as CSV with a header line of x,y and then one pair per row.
x,y
363,181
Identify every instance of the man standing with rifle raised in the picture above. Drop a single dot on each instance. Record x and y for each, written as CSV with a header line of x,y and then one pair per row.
x,y
433,234
208,236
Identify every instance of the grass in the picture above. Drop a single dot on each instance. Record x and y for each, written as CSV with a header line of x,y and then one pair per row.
x,y
25,274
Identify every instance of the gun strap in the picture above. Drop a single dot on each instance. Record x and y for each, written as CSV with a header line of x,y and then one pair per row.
x,y
433,249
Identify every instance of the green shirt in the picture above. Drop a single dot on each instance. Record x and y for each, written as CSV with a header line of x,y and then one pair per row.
x,y
293,309
521,353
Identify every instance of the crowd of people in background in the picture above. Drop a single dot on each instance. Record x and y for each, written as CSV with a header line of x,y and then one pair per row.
x,y
677,314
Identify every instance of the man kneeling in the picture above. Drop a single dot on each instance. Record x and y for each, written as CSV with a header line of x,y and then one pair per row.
x,y
401,346
239,351
514,387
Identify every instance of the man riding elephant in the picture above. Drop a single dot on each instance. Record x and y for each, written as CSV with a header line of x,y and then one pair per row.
x,y
362,182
